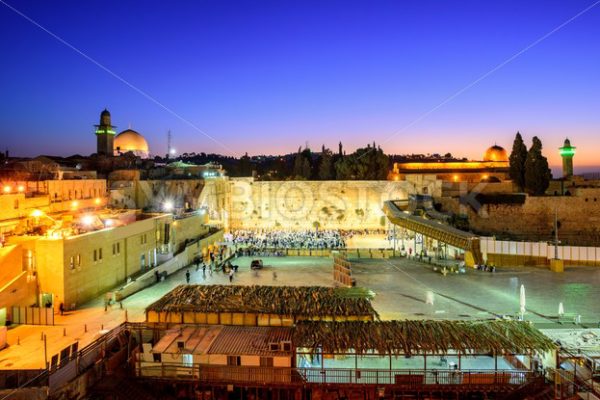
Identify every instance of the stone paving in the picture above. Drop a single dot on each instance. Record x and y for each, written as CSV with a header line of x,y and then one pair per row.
x,y
404,289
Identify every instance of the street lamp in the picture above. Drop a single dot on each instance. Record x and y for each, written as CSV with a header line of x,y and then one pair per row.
x,y
87,220
168,206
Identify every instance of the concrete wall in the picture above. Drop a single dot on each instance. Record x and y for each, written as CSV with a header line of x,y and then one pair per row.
x,y
66,266
17,281
50,268
11,260
298,204
152,194
183,259
92,278
76,189
187,229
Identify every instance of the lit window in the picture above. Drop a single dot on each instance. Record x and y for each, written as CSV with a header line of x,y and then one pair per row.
x,y
72,262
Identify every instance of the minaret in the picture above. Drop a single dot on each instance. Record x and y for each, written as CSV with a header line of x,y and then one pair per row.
x,y
105,133
567,152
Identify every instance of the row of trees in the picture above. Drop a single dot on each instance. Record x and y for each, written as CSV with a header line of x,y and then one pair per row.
x,y
529,168
366,163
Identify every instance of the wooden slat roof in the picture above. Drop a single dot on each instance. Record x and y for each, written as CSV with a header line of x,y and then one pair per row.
x,y
414,337
308,301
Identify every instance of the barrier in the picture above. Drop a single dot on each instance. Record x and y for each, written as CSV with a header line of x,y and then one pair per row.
x,y
507,252
33,315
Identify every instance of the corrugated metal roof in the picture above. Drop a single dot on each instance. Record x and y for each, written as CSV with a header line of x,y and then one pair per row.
x,y
251,340
196,339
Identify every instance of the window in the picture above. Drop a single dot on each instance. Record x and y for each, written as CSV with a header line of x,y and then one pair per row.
x,y
188,360
144,239
98,255
78,260
233,360
116,248
72,262
266,361
156,357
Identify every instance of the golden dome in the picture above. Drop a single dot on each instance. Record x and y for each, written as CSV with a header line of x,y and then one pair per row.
x,y
495,153
130,140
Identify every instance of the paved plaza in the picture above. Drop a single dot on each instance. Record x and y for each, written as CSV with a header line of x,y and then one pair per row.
x,y
404,289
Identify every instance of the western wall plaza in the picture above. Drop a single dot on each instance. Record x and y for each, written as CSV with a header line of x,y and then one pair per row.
x,y
341,200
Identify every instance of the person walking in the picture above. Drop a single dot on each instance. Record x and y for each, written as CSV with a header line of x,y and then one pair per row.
x,y
61,308
231,275
187,276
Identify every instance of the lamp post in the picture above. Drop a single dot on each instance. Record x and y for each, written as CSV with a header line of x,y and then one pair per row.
x,y
556,265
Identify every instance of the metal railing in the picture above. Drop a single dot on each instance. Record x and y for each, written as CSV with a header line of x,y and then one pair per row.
x,y
303,376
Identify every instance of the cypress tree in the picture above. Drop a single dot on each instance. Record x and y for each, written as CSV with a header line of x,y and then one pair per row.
x,y
537,173
517,159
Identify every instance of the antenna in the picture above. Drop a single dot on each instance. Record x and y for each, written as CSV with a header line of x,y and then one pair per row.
x,y
168,143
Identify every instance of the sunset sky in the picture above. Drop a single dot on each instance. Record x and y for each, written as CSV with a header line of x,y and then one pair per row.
x,y
265,77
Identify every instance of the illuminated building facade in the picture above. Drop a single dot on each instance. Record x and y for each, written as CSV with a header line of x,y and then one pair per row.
x,y
493,168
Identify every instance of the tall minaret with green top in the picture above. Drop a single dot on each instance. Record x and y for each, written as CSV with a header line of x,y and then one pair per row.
x,y
105,134
567,152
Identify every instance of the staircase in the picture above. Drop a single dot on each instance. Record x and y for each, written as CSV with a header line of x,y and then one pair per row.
x,y
534,389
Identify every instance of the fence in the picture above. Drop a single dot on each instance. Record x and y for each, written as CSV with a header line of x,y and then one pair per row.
x,y
33,315
350,253
506,252
302,376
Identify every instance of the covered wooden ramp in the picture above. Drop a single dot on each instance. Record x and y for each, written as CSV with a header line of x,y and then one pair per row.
x,y
436,230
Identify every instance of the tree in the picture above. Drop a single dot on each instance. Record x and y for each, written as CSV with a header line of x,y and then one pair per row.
x,y
367,163
537,173
245,166
517,159
302,166
325,164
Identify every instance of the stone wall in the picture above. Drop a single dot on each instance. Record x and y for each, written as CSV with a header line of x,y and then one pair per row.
x,y
578,217
299,205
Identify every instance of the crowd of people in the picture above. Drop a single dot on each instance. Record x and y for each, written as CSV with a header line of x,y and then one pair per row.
x,y
281,239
